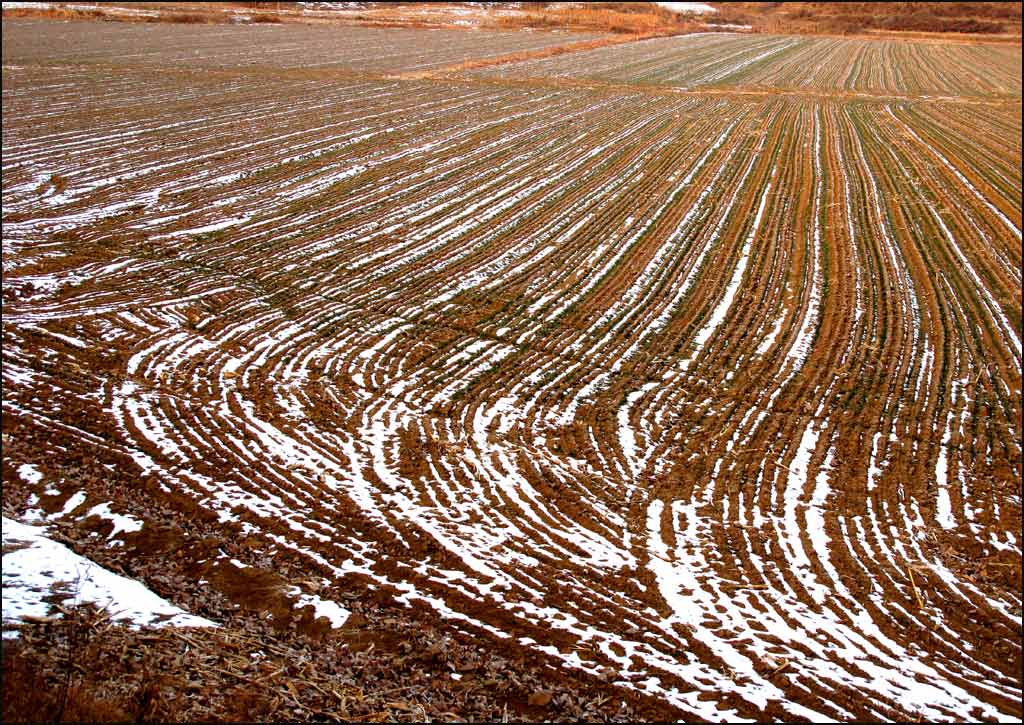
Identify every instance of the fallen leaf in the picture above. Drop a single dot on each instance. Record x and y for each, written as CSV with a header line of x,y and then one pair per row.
x,y
541,698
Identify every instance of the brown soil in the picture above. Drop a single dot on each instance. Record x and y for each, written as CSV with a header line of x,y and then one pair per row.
x,y
412,357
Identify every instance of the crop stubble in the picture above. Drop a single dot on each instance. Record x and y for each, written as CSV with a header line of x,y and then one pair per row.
x,y
721,393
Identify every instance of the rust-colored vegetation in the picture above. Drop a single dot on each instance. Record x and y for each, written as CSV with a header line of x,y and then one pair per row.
x,y
845,18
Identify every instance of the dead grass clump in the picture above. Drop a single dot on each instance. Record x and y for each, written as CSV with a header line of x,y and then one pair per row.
x,y
529,20
59,183
54,13
30,697
111,14
264,18
187,18
56,682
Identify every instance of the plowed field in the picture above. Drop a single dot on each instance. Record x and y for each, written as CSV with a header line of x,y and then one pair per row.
x,y
716,396
779,62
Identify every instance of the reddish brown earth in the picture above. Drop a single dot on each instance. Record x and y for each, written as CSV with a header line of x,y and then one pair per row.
x,y
695,404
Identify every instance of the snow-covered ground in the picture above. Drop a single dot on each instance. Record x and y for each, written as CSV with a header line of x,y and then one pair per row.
x,y
38,567
698,8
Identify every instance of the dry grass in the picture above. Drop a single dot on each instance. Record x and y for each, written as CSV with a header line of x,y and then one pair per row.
x,y
59,183
985,20
179,18
643,18
646,19
817,18
54,13
265,18
29,698
111,14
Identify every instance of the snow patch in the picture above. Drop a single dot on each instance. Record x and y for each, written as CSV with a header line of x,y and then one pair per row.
x,y
45,567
